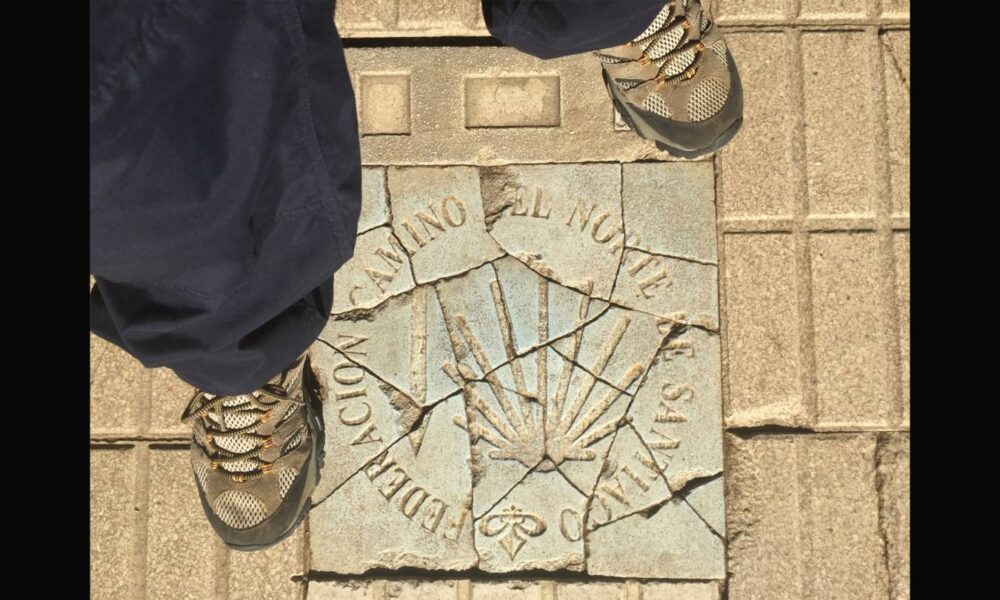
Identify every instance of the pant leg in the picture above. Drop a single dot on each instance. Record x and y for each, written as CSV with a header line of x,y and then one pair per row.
x,y
553,28
225,183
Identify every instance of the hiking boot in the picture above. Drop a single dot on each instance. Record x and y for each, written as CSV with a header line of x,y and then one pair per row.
x,y
677,83
257,457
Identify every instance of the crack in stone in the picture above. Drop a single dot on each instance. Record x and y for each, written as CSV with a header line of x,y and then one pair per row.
x,y
695,510
503,497
884,38
881,440
697,261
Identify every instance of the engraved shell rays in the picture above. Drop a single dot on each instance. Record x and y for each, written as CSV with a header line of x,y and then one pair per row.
x,y
541,404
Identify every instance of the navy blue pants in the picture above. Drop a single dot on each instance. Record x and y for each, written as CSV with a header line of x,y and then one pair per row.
x,y
225,170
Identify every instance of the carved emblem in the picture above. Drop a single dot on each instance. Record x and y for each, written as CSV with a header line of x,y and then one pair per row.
x,y
532,425
515,525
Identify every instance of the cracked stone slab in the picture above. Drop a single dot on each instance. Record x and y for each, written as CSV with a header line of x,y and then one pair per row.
x,y
563,221
437,215
618,346
538,525
630,482
404,342
415,499
669,209
678,410
539,409
708,501
672,543
378,270
669,287
374,202
515,380
362,416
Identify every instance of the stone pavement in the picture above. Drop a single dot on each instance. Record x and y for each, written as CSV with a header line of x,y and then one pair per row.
x,y
564,365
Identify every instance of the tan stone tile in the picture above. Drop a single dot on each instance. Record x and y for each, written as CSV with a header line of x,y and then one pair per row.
x,y
404,343
894,474
507,590
119,385
512,101
374,203
755,170
896,9
451,15
853,368
269,573
415,499
181,545
357,589
763,336
678,409
672,543
742,10
630,482
563,221
169,397
833,9
378,270
358,17
438,134
896,59
839,132
112,522
591,590
670,208
422,590
680,591
672,288
362,417
384,103
437,214
538,525
803,517
901,248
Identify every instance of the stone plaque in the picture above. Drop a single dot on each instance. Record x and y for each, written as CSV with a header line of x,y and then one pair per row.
x,y
522,372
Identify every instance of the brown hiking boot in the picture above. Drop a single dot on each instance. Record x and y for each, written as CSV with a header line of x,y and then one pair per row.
x,y
257,457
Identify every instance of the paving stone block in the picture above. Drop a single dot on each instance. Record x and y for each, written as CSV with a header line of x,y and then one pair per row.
x,y
365,17
170,396
119,385
112,522
896,9
269,573
901,249
839,110
852,332
507,590
763,337
357,589
833,9
439,14
592,590
750,10
802,517
896,63
423,590
181,545
680,591
755,171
